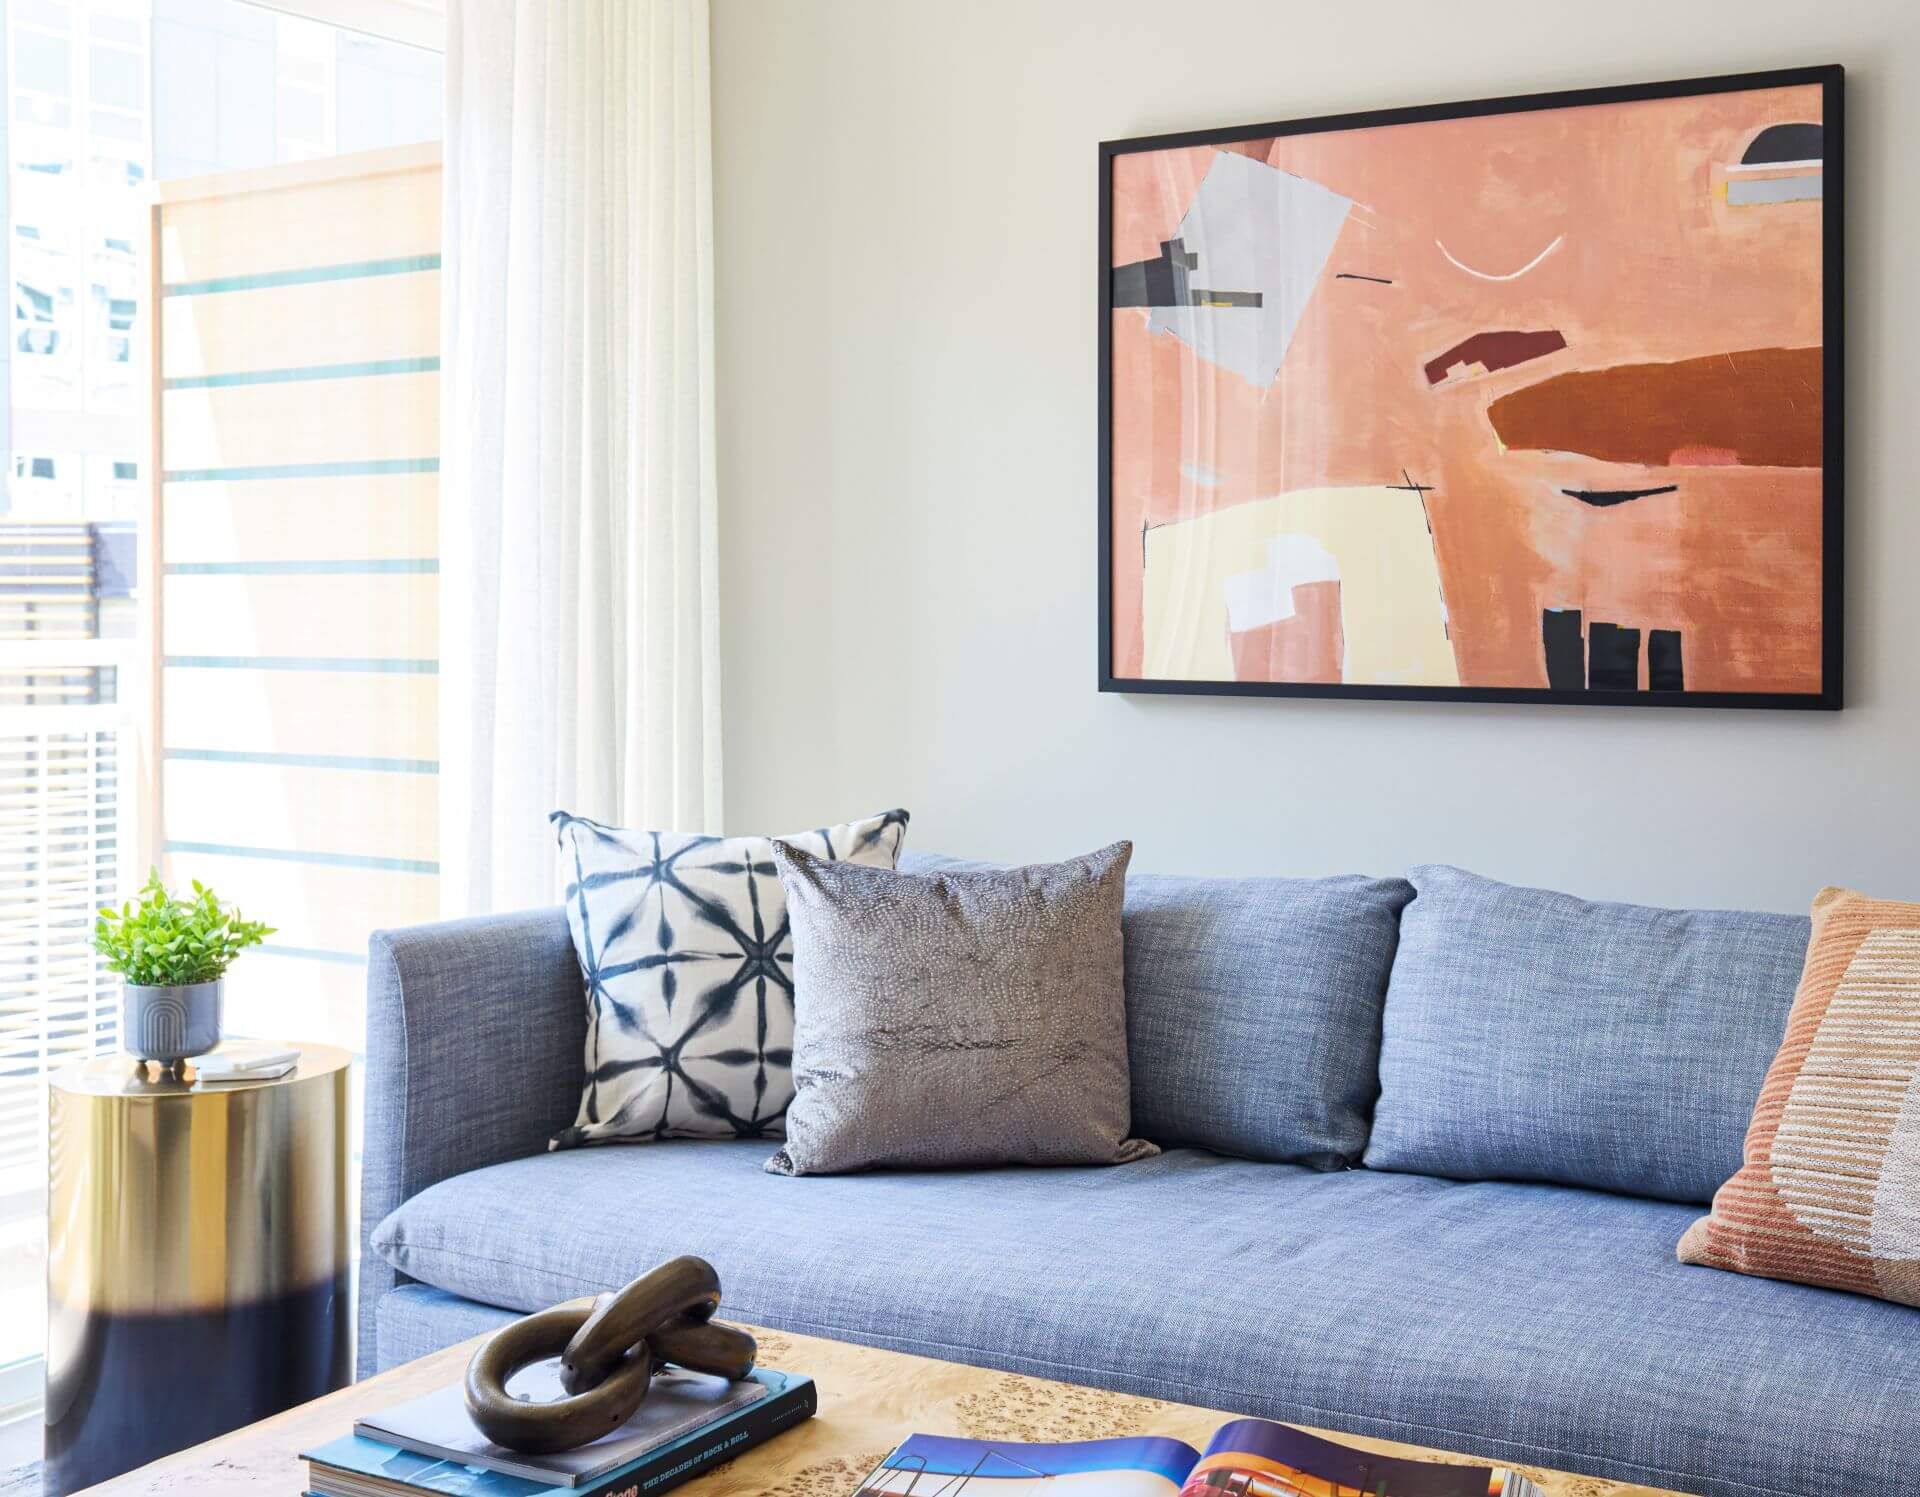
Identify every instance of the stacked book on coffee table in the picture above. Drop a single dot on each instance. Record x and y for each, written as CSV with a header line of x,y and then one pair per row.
x,y
688,1423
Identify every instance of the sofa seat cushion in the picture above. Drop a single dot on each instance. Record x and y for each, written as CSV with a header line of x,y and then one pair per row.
x,y
1229,978
1527,1323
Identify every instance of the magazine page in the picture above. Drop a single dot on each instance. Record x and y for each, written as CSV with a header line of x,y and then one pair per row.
x,y
1257,1458
940,1466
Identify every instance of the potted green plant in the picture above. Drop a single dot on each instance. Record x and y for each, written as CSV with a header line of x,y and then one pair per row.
x,y
172,955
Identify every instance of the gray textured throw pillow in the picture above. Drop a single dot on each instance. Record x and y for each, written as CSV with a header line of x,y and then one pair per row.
x,y
966,1018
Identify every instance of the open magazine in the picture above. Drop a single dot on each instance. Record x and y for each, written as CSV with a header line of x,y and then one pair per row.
x,y
1245,1458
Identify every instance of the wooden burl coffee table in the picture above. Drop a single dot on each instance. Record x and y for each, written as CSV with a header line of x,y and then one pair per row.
x,y
870,1400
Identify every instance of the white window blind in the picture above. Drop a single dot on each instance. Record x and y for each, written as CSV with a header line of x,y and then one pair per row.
x,y
67,833
66,825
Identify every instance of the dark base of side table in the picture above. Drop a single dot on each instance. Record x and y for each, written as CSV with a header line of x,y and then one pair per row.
x,y
128,1389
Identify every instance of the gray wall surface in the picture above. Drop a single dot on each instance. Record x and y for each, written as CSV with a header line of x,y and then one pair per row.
x,y
905,242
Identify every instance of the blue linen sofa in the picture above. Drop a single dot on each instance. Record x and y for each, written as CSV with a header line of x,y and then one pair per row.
x,y
1429,1145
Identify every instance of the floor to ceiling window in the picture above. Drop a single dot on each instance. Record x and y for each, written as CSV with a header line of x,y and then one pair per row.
x,y
204,277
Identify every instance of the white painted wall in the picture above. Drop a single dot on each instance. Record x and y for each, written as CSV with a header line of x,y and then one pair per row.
x,y
905,226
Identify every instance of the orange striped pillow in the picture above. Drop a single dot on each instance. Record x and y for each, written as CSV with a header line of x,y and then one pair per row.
x,y
1830,1191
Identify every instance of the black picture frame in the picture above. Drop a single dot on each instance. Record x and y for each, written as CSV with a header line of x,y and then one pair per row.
x,y
1830,78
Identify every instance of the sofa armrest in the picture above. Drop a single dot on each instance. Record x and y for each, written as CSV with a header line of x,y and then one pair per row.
x,y
476,1031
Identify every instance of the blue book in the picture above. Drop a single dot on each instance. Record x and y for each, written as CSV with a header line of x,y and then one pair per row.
x,y
358,1467
437,1424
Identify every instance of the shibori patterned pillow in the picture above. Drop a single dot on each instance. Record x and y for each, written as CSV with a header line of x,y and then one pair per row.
x,y
684,948
1830,1190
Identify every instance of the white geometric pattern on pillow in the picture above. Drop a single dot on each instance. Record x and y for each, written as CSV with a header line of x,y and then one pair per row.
x,y
685,951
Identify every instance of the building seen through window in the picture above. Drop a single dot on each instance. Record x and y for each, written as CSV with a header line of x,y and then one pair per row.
x,y
106,101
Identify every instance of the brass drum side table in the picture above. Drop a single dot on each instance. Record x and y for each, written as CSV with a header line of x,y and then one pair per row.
x,y
197,1257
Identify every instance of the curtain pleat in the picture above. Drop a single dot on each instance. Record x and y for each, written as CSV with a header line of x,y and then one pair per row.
x,y
580,645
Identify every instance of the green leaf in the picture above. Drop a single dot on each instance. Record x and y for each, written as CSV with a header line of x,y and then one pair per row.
x,y
158,940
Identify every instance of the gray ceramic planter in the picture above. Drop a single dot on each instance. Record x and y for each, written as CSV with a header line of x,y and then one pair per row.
x,y
172,1024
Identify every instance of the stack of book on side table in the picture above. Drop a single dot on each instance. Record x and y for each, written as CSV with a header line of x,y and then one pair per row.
x,y
244,1060
689,1422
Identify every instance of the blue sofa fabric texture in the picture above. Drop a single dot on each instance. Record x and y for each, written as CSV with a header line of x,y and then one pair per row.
x,y
1530,1035
1525,1322
1227,977
476,1037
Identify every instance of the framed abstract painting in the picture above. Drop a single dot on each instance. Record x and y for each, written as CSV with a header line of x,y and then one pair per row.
x,y
1532,399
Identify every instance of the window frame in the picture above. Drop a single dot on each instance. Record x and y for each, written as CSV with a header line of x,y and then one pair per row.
x,y
416,23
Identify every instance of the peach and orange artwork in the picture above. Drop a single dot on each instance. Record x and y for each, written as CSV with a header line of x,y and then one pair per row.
x,y
1523,401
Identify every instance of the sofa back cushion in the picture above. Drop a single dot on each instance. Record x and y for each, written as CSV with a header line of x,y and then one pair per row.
x,y
1253,1010
1535,1036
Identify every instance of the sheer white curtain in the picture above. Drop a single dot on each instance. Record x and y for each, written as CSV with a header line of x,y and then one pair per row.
x,y
580,638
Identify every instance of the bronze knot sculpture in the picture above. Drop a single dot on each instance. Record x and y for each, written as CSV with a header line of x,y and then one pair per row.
x,y
608,1356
